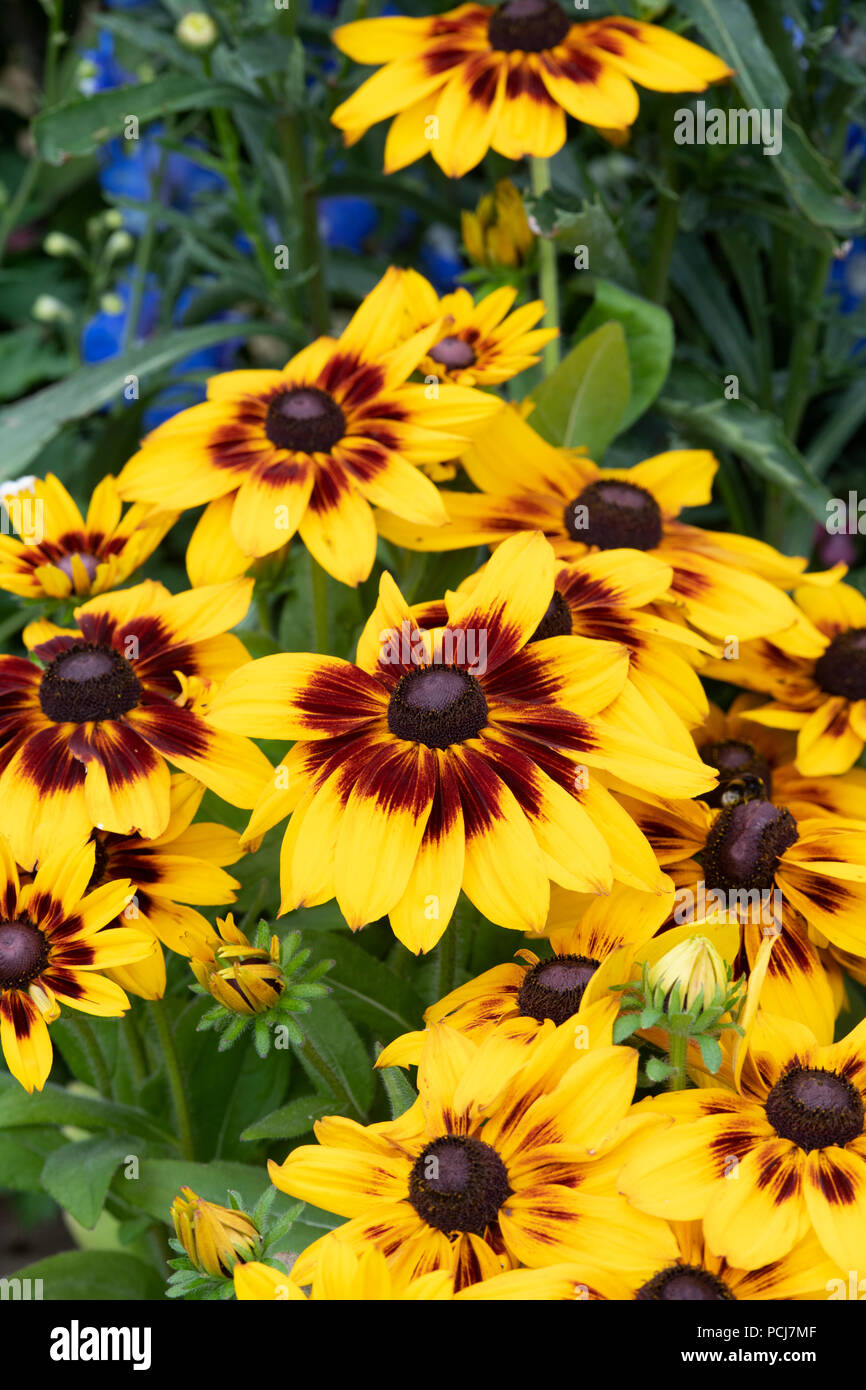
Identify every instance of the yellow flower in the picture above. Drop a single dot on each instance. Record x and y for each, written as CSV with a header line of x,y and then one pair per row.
x,y
504,79
240,976
214,1237
497,233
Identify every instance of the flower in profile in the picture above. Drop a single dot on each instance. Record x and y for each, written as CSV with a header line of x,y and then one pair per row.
x,y
504,79
55,945
182,866
497,234
488,1169
244,978
481,344
453,757
763,1165
723,583
695,970
817,683
310,447
84,737
214,1237
57,552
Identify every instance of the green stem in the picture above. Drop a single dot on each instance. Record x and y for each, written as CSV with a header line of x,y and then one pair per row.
x,y
332,1081
320,606
305,202
664,239
548,282
134,1049
175,1080
93,1052
803,350
678,1044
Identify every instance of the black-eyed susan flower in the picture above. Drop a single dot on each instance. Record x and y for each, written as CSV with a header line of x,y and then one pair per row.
x,y
243,977
763,1165
593,943
453,757
58,552
754,863
342,1274
308,448
85,735
497,234
726,584
55,944
505,78
699,1275
487,1169
816,676
214,1237
480,344
182,866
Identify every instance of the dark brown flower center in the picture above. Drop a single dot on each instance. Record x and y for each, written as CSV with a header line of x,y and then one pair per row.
x,y
556,621
744,774
554,988
90,563
438,706
305,420
458,1184
613,514
23,954
684,1282
842,668
452,353
745,844
528,25
815,1108
88,682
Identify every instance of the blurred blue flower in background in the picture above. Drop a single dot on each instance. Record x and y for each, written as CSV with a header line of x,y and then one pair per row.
x,y
848,276
131,169
345,222
440,258
99,70
104,334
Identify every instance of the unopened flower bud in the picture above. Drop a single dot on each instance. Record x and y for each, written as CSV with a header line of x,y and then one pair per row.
x,y
214,1237
697,968
48,309
59,244
245,979
197,31
120,243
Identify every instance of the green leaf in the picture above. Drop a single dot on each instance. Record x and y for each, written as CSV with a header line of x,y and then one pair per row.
x,y
55,1105
369,992
335,1040
584,401
22,1156
711,1053
754,436
160,1180
292,1120
399,1090
79,1175
649,340
94,1275
28,425
657,1069
81,126
589,224
731,31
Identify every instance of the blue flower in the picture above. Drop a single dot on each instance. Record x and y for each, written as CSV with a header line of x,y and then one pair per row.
x,y
440,258
346,221
848,276
103,335
130,169
101,70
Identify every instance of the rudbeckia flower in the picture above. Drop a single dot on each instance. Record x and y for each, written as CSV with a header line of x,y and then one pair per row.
x,y
487,1170
84,736
757,864
453,758
497,233
818,686
58,552
308,448
763,1165
699,1275
504,79
183,865
481,344
342,1275
214,1237
725,584
593,948
55,944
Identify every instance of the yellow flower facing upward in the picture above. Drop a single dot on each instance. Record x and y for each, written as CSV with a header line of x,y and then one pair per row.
x,y
478,78
57,552
481,344
214,1237
243,978
497,234
310,447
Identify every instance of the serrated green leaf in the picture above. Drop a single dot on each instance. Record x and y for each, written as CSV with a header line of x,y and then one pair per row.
x,y
584,401
399,1090
292,1120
